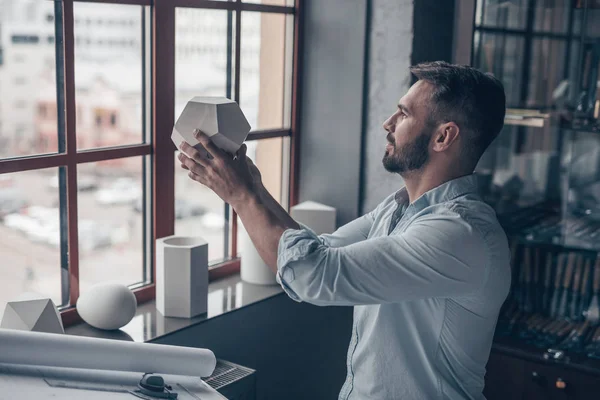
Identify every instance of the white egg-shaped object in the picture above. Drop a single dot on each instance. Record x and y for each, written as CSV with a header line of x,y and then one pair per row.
x,y
107,305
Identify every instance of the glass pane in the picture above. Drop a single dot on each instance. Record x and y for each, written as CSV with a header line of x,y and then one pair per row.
x,y
546,71
29,227
593,22
501,55
501,13
203,64
263,70
111,235
28,111
513,180
269,157
553,16
199,212
108,74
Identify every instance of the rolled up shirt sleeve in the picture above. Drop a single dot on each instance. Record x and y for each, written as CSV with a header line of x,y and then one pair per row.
x,y
439,255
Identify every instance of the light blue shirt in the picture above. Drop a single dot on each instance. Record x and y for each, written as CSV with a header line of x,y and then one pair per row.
x,y
427,295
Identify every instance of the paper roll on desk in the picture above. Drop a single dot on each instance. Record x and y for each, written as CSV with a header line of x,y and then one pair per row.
x,y
37,348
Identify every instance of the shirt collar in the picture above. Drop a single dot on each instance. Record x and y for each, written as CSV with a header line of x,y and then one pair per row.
x,y
446,191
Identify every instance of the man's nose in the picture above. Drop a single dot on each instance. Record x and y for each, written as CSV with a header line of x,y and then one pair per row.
x,y
387,125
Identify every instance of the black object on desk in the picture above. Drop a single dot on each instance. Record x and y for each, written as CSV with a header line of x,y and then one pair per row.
x,y
233,381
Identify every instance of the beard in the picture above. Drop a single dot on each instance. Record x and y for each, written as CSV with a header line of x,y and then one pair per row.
x,y
408,157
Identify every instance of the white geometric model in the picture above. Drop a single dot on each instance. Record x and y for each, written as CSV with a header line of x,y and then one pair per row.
x,y
318,217
107,305
181,276
32,312
218,117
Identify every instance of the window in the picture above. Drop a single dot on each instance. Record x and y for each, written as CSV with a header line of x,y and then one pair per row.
x,y
99,150
25,39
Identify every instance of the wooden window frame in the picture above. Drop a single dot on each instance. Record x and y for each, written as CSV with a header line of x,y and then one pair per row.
x,y
161,149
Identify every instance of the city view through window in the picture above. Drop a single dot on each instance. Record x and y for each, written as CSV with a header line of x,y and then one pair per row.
x,y
110,67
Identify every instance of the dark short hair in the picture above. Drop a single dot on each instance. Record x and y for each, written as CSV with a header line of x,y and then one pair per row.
x,y
473,100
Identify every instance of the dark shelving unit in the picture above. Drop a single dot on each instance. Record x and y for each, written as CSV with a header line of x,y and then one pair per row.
x,y
542,176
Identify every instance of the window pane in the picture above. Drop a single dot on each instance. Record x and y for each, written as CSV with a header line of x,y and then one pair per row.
x,y
199,212
272,159
108,74
28,114
203,64
271,156
203,67
501,13
501,55
546,71
110,224
264,91
30,231
553,16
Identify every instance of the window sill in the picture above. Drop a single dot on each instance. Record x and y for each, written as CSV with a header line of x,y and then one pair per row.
x,y
224,296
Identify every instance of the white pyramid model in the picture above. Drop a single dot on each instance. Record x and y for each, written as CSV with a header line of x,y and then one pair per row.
x,y
32,313
318,217
218,117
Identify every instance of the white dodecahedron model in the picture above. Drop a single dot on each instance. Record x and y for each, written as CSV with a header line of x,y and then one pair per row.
x,y
31,312
218,117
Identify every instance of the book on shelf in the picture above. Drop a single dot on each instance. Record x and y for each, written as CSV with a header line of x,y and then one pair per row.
x,y
525,117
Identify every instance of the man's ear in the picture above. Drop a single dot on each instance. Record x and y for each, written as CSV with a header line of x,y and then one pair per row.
x,y
444,136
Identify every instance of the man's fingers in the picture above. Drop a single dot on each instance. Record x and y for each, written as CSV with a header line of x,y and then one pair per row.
x,y
205,141
193,154
241,153
197,178
190,164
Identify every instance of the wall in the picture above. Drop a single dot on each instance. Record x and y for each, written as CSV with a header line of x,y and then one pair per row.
x,y
403,33
332,101
390,49
299,350
342,112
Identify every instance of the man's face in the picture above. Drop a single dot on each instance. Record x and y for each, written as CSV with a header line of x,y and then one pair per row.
x,y
409,133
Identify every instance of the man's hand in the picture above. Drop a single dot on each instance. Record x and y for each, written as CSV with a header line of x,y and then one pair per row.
x,y
234,180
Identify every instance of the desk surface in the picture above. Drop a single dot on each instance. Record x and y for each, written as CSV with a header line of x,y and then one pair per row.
x,y
36,382
224,296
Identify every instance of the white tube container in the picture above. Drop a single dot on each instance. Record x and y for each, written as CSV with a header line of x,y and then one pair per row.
x,y
181,276
252,267
318,217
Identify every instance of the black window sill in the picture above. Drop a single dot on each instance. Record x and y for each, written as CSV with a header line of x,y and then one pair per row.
x,y
224,296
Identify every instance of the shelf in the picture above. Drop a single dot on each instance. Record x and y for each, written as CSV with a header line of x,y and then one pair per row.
x,y
543,225
525,117
519,348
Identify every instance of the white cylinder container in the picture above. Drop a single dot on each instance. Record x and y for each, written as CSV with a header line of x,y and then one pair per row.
x,y
318,217
181,276
252,267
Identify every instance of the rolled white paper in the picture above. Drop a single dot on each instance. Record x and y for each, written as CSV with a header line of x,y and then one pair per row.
x,y
38,348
